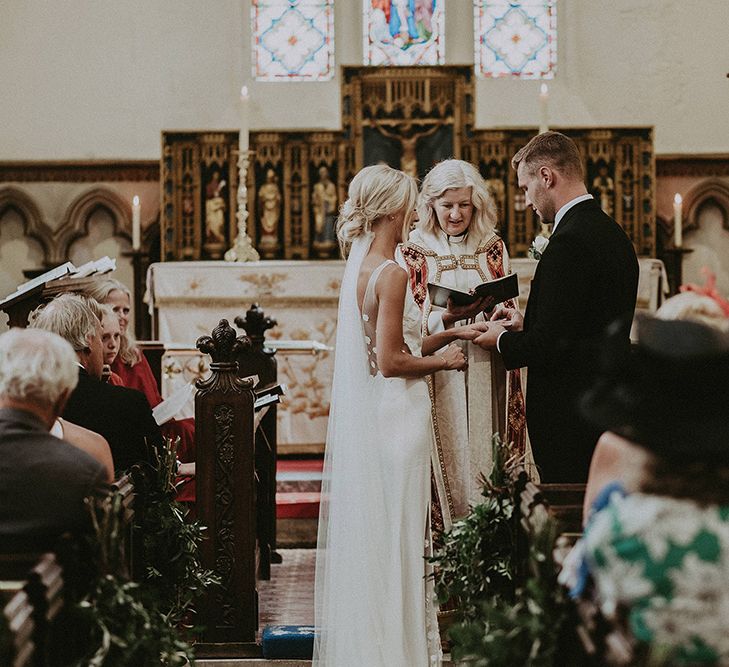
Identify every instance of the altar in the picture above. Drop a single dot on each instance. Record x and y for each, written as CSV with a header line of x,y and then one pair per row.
x,y
189,298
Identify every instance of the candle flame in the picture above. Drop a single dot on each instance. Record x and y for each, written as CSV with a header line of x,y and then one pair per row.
x,y
244,93
544,89
677,198
135,200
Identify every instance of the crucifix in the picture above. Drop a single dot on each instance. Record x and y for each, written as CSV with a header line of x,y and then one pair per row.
x,y
406,134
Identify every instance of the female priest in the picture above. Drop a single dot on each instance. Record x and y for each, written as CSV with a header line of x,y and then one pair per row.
x,y
455,244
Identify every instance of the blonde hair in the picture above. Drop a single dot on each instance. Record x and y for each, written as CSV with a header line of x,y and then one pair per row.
x,y
129,353
375,192
453,175
73,317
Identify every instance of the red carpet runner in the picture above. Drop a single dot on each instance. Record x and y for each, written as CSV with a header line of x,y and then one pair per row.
x,y
298,483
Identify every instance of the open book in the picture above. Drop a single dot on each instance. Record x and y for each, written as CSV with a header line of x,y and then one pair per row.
x,y
66,271
268,395
500,289
168,408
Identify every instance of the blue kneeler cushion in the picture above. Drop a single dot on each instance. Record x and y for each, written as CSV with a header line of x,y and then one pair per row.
x,y
287,641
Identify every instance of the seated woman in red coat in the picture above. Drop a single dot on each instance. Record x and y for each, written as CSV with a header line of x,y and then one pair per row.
x,y
129,366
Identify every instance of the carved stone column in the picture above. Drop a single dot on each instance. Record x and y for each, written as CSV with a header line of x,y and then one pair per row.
x,y
261,360
226,497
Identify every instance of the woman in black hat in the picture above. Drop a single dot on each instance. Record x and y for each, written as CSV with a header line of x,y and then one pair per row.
x,y
661,554
617,459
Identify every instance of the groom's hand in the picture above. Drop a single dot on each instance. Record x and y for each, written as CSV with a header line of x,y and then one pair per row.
x,y
487,340
509,318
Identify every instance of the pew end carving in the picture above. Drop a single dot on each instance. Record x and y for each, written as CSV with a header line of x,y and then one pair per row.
x,y
226,502
260,360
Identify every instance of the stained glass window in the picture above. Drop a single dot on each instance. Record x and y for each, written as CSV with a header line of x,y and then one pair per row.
x,y
404,32
517,39
293,40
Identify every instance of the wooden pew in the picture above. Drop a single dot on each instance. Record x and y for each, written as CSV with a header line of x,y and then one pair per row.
x,y
261,361
40,578
590,639
226,498
565,503
16,626
153,351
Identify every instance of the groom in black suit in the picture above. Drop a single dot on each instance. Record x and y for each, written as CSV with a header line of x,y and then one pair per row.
x,y
586,279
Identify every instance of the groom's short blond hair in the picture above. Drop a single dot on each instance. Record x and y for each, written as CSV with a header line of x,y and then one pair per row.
x,y
554,150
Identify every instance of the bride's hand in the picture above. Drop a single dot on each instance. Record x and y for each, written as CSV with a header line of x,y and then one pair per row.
x,y
471,331
454,358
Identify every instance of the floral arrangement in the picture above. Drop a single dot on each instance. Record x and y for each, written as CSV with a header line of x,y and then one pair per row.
x,y
538,246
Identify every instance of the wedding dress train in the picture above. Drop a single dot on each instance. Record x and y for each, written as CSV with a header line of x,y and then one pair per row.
x,y
374,603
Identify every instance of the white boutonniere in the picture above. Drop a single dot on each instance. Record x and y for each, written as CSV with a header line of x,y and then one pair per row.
x,y
538,246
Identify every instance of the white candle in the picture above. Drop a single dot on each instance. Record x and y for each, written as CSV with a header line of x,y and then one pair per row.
x,y
677,220
136,224
543,108
244,123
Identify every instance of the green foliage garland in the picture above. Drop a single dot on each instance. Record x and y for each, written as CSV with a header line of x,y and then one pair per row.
x,y
524,630
475,561
174,577
140,624
119,623
502,623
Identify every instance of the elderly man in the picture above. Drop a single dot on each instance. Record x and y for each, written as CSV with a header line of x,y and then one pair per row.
x,y
43,479
121,415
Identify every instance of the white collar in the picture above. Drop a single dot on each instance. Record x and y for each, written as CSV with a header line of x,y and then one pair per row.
x,y
567,207
457,240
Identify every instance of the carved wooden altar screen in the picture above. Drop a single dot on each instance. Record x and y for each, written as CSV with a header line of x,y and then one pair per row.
x,y
199,180
408,117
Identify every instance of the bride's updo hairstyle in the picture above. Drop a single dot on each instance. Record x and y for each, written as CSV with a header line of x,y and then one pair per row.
x,y
453,175
375,192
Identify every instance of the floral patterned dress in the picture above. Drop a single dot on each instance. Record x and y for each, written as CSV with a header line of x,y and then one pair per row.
x,y
666,561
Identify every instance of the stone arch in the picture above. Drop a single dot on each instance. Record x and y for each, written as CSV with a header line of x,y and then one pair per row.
x,y
75,224
33,224
710,190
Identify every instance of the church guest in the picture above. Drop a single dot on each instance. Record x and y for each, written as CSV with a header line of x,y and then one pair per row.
x,y
617,459
586,278
43,480
111,340
130,364
660,555
373,605
455,244
131,369
120,415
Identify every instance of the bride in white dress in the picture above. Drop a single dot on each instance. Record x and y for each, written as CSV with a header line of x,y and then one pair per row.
x,y
374,604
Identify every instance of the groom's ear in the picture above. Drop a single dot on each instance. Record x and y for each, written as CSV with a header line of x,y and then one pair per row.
x,y
546,175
